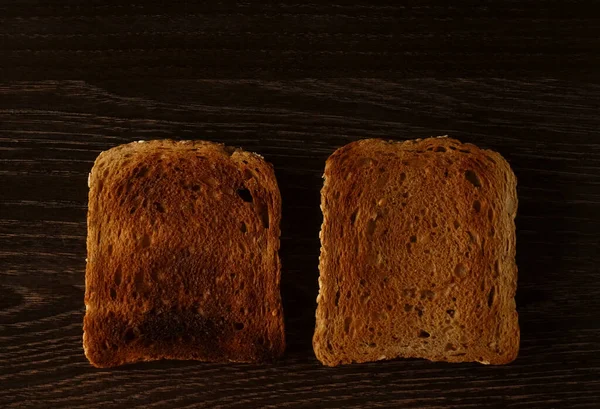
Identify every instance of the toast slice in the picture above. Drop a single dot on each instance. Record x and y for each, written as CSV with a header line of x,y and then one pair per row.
x,y
418,254
183,241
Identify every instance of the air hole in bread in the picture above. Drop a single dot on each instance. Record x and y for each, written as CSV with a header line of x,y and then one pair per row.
x,y
139,282
347,323
372,344
413,239
473,178
118,277
409,293
492,232
129,335
439,149
119,191
460,270
424,334
497,268
456,224
367,162
427,295
353,216
248,174
212,182
450,347
337,297
408,307
382,180
238,326
245,195
464,150
381,316
145,241
140,172
243,227
263,214
491,296
159,207
511,206
477,206
371,224
402,177
419,311
113,293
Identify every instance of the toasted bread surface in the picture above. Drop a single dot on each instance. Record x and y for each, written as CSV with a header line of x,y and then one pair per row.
x,y
418,254
183,241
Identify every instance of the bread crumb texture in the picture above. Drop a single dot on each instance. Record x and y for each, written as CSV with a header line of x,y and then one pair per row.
x,y
183,241
418,254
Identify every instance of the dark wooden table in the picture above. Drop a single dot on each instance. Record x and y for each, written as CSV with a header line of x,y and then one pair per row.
x,y
293,82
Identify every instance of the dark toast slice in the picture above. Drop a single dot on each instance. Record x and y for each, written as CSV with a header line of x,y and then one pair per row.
x,y
183,241
418,254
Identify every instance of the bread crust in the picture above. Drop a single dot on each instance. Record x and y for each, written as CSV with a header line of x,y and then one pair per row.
x,y
183,241
418,254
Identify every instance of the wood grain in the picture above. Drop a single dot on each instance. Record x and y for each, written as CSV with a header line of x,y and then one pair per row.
x,y
51,131
229,39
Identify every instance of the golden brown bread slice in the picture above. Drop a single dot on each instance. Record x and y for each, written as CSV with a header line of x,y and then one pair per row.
x,y
418,254
183,241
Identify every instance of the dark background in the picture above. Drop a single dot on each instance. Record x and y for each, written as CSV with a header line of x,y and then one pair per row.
x,y
293,82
